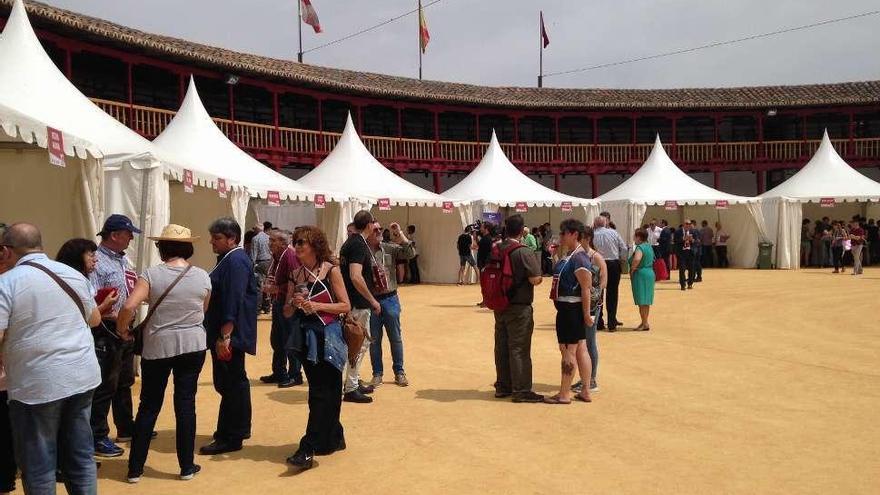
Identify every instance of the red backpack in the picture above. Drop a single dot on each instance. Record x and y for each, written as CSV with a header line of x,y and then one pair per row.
x,y
496,279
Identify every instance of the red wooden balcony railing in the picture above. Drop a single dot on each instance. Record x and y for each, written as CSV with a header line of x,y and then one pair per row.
x,y
149,122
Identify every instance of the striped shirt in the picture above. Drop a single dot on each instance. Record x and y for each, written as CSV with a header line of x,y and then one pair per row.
x,y
114,270
609,243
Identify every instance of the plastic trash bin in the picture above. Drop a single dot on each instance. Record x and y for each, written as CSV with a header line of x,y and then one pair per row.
x,y
765,255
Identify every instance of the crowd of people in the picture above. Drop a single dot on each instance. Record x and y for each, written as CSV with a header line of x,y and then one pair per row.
x,y
69,340
839,244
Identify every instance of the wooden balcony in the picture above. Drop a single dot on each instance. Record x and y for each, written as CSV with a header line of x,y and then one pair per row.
x,y
261,139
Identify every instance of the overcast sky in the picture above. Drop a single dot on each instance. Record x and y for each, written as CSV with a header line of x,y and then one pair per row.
x,y
495,42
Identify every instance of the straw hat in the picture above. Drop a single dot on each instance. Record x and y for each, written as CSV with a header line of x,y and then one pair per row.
x,y
176,233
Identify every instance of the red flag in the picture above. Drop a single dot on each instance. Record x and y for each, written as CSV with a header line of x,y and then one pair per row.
x,y
309,16
424,35
544,31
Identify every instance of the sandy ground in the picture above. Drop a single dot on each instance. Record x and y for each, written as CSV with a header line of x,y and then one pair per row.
x,y
754,382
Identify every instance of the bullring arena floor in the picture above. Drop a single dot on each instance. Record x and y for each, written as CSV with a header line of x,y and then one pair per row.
x,y
754,382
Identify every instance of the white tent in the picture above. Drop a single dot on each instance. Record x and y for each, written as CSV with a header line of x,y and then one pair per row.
x,y
658,182
496,183
133,168
194,138
352,169
64,202
825,177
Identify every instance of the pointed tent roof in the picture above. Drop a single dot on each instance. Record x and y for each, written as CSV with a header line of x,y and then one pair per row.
x,y
32,85
16,126
193,137
496,180
827,175
659,180
352,169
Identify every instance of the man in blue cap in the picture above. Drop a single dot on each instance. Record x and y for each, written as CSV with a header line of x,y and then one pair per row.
x,y
114,271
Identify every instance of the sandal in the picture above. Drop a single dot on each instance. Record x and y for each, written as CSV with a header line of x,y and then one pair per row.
x,y
555,400
583,398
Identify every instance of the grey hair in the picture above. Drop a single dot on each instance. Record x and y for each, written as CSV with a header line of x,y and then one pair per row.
x,y
22,236
600,221
226,226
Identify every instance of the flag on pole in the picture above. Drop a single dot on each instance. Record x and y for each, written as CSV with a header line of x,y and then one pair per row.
x,y
309,16
424,35
544,31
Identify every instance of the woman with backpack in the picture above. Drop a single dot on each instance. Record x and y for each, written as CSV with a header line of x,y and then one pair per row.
x,y
571,295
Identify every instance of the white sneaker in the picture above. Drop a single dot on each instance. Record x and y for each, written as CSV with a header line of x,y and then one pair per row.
x,y
594,387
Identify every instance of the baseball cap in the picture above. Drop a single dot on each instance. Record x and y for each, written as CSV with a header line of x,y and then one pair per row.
x,y
118,222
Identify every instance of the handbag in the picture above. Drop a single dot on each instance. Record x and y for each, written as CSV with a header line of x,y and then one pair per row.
x,y
354,334
138,331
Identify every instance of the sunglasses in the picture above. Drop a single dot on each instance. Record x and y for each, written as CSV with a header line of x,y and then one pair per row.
x,y
300,242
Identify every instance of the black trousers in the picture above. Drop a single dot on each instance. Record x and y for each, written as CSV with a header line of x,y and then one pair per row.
x,y
123,408
324,432
415,276
8,467
721,253
285,364
109,352
707,258
154,380
231,382
686,262
611,293
698,265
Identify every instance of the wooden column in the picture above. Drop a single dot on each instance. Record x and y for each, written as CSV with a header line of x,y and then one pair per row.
x,y
276,134
181,88
399,132
233,135
716,179
558,152
130,95
436,178
557,183
436,134
760,178
594,183
516,137
68,64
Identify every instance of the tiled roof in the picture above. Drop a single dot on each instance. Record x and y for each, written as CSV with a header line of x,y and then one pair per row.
x,y
392,87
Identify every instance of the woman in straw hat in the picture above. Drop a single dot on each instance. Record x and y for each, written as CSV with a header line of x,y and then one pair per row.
x,y
173,342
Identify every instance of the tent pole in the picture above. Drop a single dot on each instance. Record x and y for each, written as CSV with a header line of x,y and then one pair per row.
x,y
142,219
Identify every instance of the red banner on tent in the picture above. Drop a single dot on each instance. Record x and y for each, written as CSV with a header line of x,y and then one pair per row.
x,y
826,202
521,207
722,204
566,206
447,207
221,188
55,145
384,204
273,198
320,201
188,181
671,205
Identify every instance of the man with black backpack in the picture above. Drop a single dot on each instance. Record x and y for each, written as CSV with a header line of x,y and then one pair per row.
x,y
508,282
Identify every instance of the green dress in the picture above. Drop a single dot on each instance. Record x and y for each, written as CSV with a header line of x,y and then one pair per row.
x,y
642,279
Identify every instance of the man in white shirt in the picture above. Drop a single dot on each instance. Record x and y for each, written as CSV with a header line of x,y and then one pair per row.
x,y
654,232
50,361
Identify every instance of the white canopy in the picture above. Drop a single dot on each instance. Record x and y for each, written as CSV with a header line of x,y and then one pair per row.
x,y
659,180
193,136
826,175
497,181
352,169
32,85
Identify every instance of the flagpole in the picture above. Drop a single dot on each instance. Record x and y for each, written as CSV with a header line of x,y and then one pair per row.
x,y
540,50
419,23
299,55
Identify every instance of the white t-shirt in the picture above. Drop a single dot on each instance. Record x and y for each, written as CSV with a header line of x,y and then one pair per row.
x,y
654,235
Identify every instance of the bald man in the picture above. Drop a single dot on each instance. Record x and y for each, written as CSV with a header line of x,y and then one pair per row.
x,y
46,311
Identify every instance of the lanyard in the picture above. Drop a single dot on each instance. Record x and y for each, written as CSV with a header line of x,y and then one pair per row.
x,y
317,281
373,254
567,259
278,263
224,258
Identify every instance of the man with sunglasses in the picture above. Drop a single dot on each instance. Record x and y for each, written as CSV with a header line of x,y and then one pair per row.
x,y
386,255
286,368
356,265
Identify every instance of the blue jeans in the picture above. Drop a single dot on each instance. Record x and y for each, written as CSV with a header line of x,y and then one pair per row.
x,y
390,320
593,347
44,434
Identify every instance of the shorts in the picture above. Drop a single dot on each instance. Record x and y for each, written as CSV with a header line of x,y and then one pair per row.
x,y
467,260
570,326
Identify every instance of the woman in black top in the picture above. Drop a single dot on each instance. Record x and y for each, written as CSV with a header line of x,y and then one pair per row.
x,y
316,297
